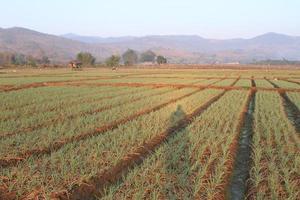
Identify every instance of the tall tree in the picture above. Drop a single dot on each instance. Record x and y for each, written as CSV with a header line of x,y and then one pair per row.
x,y
130,57
86,58
148,56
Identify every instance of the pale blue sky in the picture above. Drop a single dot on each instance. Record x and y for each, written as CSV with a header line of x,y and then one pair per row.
x,y
207,18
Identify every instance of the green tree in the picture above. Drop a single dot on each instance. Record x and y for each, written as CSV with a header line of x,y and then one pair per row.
x,y
86,58
161,60
130,57
148,56
113,61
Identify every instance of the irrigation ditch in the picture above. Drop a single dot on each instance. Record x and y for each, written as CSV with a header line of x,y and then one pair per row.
x,y
237,187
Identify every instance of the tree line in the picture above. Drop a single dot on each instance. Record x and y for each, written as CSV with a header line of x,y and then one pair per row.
x,y
128,58
7,58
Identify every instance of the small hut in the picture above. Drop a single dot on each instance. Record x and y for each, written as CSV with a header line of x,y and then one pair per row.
x,y
75,64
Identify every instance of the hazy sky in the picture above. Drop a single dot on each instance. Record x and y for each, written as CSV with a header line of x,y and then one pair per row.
x,y
207,18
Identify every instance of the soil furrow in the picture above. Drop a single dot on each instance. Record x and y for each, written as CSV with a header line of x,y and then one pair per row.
x,y
238,78
237,186
96,185
7,162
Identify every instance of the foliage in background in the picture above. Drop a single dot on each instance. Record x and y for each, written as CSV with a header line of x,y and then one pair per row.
x,y
148,56
86,58
161,60
130,57
8,58
113,61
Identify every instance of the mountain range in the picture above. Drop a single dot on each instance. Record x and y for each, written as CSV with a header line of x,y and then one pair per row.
x,y
177,48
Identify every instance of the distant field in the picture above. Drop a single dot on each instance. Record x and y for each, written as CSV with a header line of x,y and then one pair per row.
x,y
150,134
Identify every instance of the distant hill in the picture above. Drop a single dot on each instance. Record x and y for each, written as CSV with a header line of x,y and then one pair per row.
x,y
95,39
58,49
178,48
267,46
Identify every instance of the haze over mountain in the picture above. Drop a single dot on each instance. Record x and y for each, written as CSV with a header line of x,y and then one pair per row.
x,y
177,48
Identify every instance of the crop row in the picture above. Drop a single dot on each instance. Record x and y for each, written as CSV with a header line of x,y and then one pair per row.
x,y
60,105
142,80
243,83
195,164
295,97
24,97
263,83
291,109
286,84
76,161
82,119
35,84
69,113
52,109
193,85
25,80
33,130
275,157
227,82
19,80
77,96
